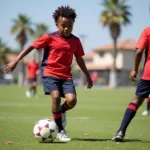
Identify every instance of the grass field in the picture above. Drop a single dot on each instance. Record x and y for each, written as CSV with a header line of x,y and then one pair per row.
x,y
91,124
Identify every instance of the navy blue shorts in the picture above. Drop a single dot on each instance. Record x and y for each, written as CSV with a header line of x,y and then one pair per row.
x,y
63,86
143,88
31,80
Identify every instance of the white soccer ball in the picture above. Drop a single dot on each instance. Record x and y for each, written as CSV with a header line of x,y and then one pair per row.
x,y
45,130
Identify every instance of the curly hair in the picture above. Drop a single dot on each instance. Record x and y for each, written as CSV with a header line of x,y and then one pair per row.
x,y
64,11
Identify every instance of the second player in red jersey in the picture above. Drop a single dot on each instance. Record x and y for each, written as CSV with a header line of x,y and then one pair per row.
x,y
32,70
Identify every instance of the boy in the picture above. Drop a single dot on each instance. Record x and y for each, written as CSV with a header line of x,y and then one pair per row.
x,y
143,87
32,70
59,48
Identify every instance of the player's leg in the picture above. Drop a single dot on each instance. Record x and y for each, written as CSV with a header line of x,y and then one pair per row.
x,y
57,115
70,96
128,116
142,91
34,86
28,92
147,111
70,103
56,100
51,86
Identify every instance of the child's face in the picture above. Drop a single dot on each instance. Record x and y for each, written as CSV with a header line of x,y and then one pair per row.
x,y
65,26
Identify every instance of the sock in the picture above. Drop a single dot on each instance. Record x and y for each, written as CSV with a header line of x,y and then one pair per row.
x,y
65,107
34,91
30,89
58,120
148,104
128,116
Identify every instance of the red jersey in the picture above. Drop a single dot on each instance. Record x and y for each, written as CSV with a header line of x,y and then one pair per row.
x,y
32,67
58,54
144,44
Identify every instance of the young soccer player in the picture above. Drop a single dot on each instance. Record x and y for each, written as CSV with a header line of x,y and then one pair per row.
x,y
147,111
59,48
32,70
143,87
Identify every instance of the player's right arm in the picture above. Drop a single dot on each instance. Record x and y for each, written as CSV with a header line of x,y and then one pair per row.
x,y
38,44
11,66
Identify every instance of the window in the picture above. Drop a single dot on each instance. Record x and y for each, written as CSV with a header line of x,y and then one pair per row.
x,y
101,54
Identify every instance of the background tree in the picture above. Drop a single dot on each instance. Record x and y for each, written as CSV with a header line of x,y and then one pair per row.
x,y
115,14
22,28
4,50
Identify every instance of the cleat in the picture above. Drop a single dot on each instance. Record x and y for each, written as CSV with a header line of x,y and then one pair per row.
x,y
145,113
64,120
62,136
28,94
119,137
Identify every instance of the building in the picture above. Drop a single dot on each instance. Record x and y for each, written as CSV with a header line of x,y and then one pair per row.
x,y
101,59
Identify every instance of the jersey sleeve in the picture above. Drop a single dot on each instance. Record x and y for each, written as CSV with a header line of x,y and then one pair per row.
x,y
79,51
143,41
42,42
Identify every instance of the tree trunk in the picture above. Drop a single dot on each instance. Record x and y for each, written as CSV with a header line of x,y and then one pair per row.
x,y
113,73
21,72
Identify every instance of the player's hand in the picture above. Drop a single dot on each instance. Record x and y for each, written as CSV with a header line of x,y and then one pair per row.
x,y
133,75
10,66
90,82
38,72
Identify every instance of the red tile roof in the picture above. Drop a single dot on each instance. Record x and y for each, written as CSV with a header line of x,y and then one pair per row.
x,y
89,55
121,45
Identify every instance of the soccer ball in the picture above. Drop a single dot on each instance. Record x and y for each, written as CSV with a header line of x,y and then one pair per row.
x,y
45,130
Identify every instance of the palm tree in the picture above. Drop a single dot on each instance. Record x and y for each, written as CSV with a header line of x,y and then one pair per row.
x,y
3,51
115,14
21,27
39,31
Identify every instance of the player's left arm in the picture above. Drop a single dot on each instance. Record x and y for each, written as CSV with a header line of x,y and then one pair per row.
x,y
140,46
137,61
82,65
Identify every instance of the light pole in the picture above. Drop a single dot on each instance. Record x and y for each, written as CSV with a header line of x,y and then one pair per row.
x,y
82,78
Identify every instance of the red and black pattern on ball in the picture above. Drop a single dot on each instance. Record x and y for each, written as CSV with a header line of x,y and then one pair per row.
x,y
40,128
47,126
38,134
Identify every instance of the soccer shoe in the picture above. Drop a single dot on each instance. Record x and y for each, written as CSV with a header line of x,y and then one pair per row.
x,y
64,120
119,137
145,113
62,136
28,94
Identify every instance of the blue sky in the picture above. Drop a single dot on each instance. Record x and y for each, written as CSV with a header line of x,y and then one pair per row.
x,y
87,22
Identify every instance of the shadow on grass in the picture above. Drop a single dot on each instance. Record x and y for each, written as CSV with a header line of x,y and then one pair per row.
x,y
55,142
135,140
104,140
90,139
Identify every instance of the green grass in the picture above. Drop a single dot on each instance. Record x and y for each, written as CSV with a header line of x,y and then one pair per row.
x,y
91,124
